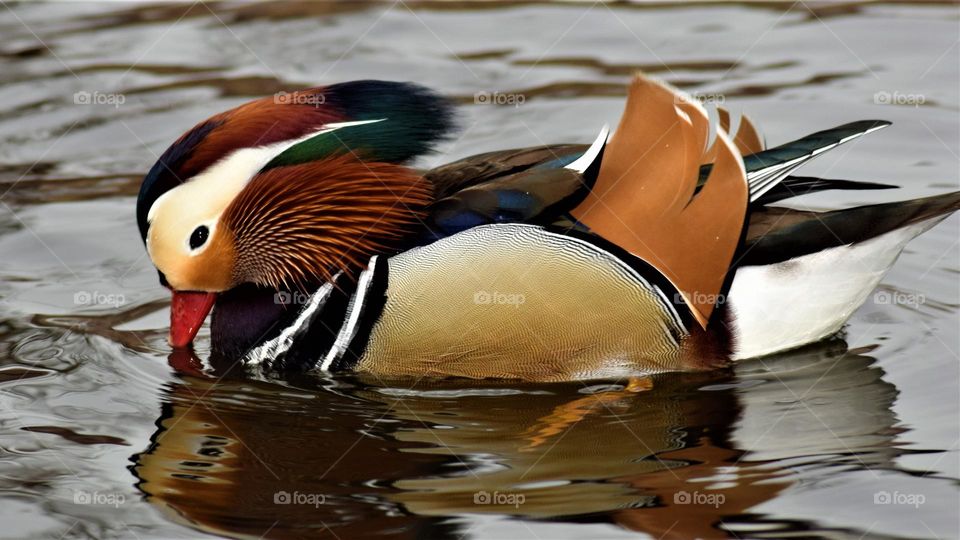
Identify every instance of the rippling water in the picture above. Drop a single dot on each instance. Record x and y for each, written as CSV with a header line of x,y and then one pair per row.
x,y
103,434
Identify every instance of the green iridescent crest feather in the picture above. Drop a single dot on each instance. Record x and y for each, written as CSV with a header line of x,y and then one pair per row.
x,y
385,122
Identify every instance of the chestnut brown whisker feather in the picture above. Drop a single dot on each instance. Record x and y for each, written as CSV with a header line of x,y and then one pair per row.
x,y
298,224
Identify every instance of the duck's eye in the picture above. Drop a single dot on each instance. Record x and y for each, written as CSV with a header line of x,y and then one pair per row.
x,y
199,236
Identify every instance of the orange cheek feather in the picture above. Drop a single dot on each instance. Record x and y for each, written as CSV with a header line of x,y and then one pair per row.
x,y
211,270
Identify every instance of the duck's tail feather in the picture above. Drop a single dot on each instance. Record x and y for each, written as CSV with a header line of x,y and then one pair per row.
x,y
779,234
795,186
767,168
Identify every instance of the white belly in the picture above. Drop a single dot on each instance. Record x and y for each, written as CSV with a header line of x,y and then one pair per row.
x,y
802,300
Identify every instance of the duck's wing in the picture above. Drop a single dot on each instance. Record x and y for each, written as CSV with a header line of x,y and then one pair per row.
x,y
645,198
531,185
526,187
482,168
642,197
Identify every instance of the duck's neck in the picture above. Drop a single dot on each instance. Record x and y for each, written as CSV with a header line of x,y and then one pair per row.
x,y
246,316
248,320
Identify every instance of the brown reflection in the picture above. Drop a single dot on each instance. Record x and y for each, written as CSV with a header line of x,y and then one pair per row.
x,y
626,70
253,85
236,11
73,436
673,456
30,189
579,89
20,373
162,12
227,453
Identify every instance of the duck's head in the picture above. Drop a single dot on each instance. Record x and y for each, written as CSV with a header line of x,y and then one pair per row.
x,y
286,191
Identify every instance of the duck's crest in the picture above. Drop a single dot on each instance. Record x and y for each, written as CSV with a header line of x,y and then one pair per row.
x,y
393,123
387,122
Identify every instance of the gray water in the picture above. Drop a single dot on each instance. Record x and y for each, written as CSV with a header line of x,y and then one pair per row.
x,y
103,433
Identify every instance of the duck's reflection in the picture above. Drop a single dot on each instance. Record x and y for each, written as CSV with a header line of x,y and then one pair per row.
x,y
676,456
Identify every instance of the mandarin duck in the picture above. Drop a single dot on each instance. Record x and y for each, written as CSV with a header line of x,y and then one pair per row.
x,y
298,220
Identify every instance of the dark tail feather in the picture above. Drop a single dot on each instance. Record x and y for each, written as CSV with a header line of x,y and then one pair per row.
x,y
795,186
766,169
778,234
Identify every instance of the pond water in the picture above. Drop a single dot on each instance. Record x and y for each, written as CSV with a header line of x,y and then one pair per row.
x,y
104,433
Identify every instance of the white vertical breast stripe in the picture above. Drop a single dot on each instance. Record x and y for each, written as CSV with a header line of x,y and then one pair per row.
x,y
282,343
349,328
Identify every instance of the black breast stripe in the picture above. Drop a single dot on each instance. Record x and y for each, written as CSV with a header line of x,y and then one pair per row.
x,y
371,309
354,318
312,342
300,345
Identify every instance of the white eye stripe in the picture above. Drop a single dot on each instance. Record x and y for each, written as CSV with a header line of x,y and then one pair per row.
x,y
156,204
202,199
232,172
